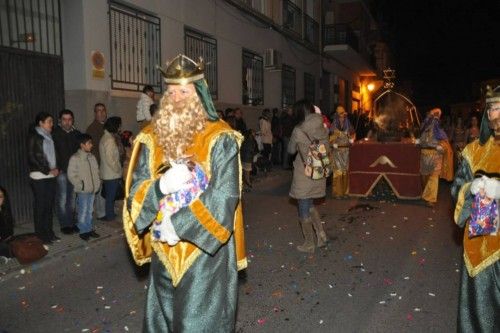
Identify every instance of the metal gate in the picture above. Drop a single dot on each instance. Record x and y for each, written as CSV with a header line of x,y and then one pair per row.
x,y
31,82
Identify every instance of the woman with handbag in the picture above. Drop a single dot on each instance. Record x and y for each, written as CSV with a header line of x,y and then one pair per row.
x,y
43,173
111,166
304,187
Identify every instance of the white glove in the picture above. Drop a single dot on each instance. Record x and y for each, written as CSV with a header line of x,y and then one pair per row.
x,y
477,184
166,231
439,148
417,141
336,146
492,188
351,141
176,178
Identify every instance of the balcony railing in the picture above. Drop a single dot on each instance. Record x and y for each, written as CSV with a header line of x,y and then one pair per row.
x,y
311,31
335,34
292,17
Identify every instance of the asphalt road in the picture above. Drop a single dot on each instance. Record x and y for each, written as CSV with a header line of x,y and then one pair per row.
x,y
391,266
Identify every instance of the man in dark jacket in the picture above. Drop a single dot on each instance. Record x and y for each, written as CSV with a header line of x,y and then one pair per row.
x,y
66,144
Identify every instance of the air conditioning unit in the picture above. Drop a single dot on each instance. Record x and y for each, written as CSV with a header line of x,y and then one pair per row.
x,y
272,59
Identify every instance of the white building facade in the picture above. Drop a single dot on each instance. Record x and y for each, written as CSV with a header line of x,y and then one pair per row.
x,y
111,48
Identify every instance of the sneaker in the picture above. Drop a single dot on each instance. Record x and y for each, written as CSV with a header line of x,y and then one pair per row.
x,y
85,236
94,234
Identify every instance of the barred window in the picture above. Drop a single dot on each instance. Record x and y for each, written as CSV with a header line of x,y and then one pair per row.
x,y
198,44
33,25
253,78
309,87
287,85
135,48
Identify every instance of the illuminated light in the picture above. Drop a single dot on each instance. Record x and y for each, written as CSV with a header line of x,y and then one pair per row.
x,y
370,86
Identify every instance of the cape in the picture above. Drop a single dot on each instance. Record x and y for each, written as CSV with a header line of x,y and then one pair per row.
x,y
179,258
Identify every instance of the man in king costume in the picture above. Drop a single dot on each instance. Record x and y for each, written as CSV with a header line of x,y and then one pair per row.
x,y
193,284
436,157
342,134
479,302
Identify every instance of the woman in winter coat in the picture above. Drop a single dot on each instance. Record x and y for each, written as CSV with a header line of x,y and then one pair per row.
x,y
305,189
111,167
43,173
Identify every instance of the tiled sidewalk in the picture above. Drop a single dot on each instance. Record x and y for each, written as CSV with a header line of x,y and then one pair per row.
x,y
67,244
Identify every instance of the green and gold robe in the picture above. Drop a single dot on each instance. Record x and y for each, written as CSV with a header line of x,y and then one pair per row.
x,y
193,285
479,302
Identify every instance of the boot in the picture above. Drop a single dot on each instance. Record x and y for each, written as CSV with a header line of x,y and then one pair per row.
x,y
318,227
308,232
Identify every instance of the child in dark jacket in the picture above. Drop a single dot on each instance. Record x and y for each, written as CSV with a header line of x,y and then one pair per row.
x,y
83,173
248,151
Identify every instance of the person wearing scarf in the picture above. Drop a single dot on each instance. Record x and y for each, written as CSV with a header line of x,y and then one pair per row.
x,y
43,173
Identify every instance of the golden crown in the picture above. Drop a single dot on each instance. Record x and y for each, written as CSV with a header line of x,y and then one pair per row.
x,y
182,70
492,95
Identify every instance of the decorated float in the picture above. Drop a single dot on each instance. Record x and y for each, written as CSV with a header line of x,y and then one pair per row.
x,y
388,152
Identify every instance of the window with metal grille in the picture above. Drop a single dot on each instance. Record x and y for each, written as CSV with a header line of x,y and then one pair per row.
x,y
253,78
198,44
309,87
135,48
33,25
287,85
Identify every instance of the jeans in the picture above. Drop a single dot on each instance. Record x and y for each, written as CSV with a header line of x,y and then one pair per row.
x,y
85,208
65,201
44,192
304,206
111,186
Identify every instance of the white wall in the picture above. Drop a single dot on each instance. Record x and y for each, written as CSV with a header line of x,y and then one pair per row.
x,y
86,29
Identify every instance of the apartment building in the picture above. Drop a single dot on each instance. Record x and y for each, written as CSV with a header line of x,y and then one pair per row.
x,y
57,54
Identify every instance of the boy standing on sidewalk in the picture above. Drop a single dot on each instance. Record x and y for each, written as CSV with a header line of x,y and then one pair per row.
x,y
83,173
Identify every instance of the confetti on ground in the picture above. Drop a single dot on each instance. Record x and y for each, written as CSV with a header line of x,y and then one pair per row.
x,y
321,321
381,302
406,277
393,294
125,328
107,307
22,288
99,287
85,330
409,316
349,295
405,218
261,321
22,271
432,294
417,309
330,286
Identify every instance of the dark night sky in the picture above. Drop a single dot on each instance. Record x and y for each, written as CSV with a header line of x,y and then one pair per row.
x,y
441,46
